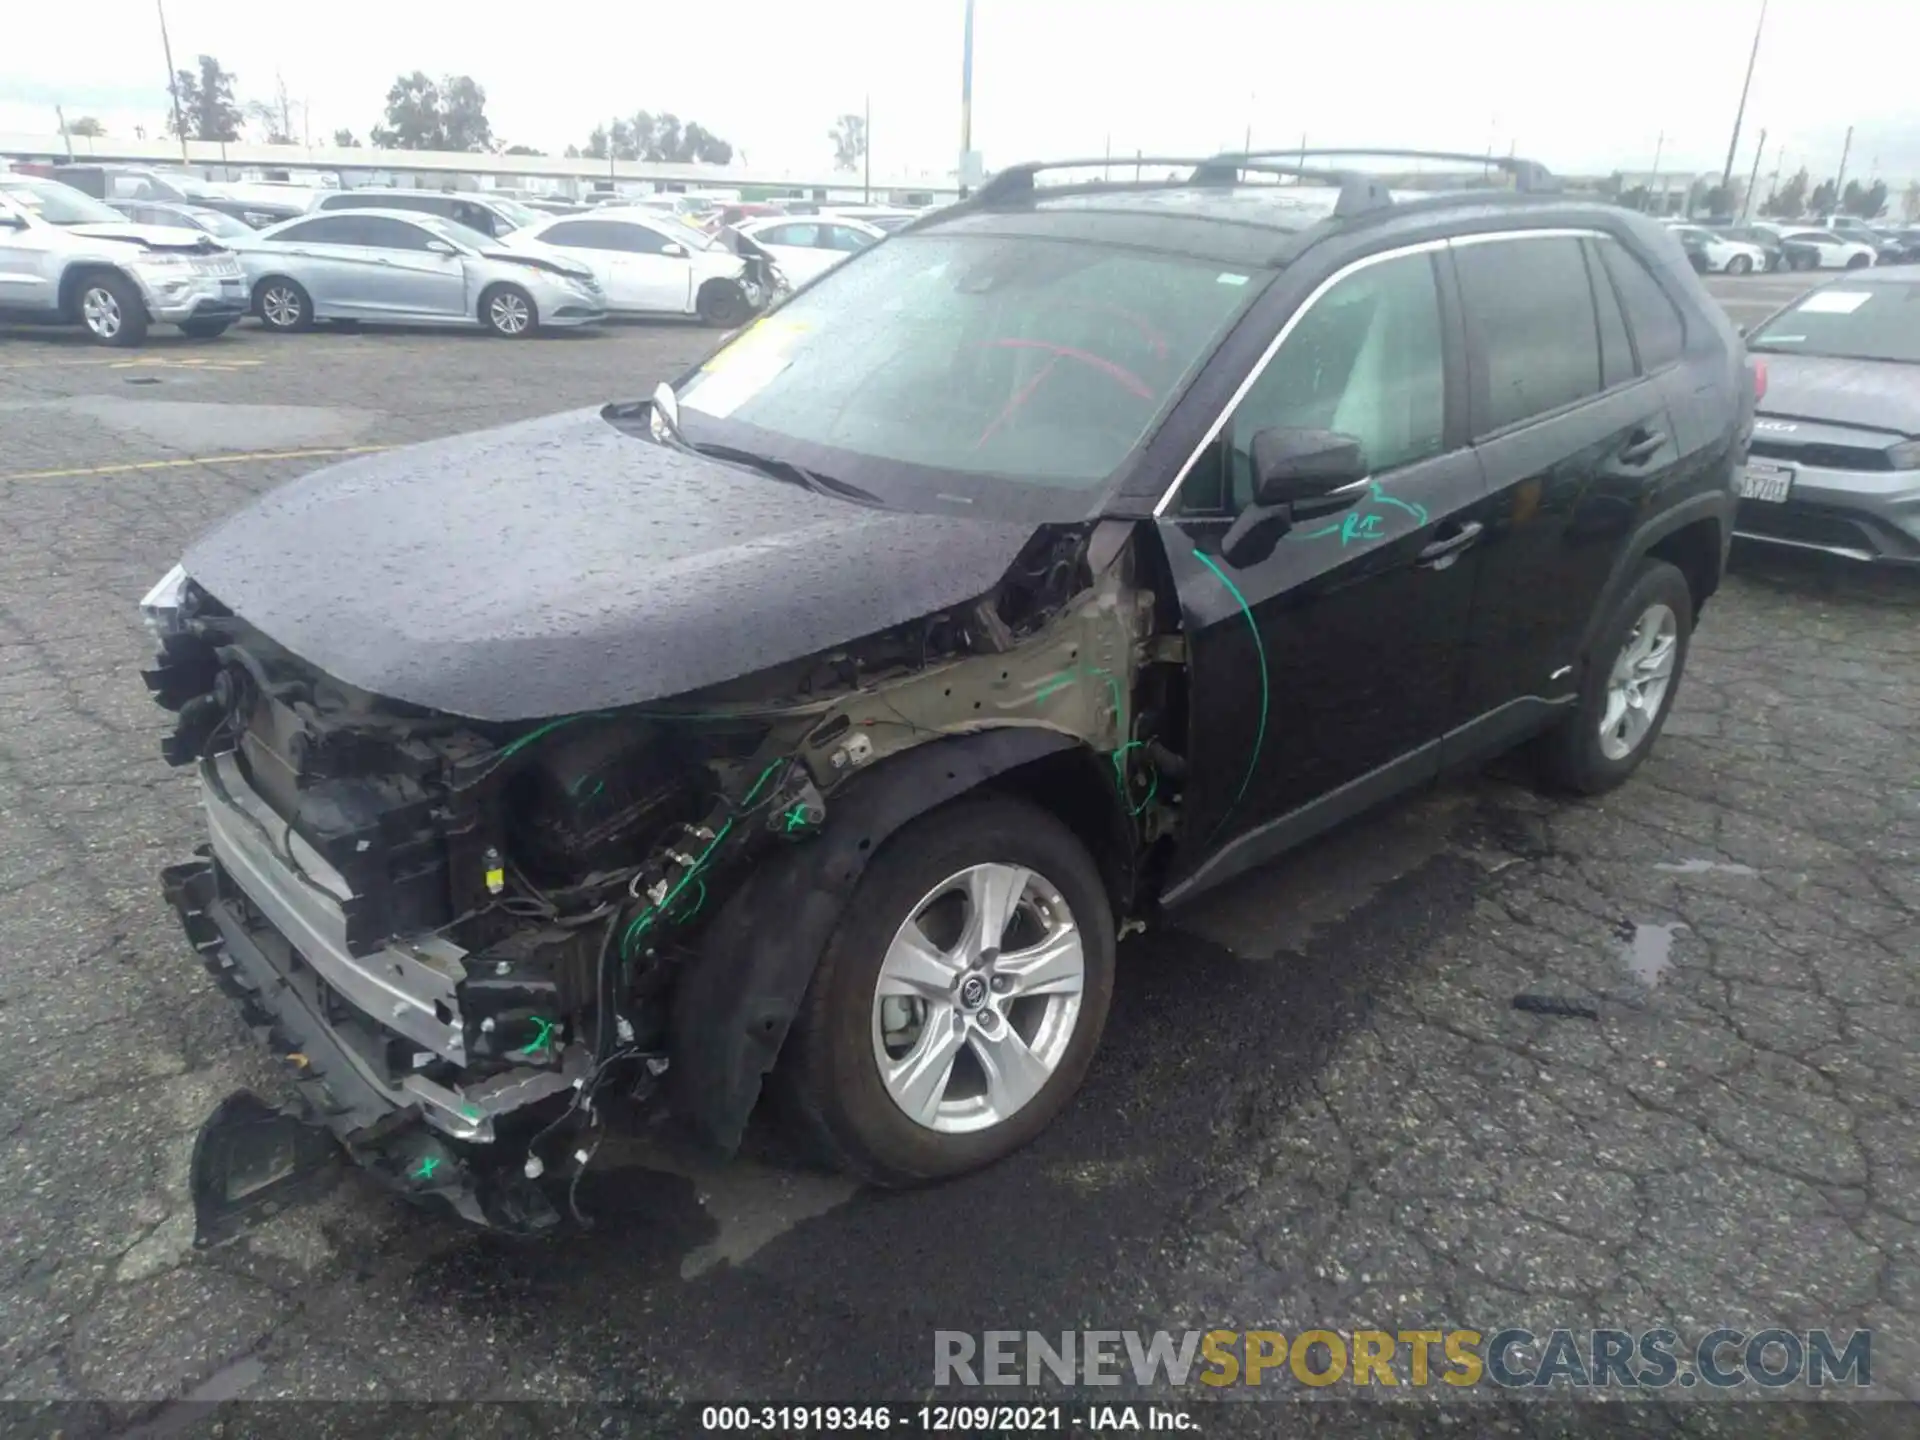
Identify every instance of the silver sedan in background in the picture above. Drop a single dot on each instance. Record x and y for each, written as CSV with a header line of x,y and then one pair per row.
x,y
406,268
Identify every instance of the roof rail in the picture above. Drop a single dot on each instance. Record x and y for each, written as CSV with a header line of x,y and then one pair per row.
x,y
1360,191
1529,176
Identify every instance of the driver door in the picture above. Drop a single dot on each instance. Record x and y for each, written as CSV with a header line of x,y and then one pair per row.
x,y
1324,672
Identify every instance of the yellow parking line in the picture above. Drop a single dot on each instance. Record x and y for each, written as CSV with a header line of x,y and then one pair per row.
x,y
237,458
163,362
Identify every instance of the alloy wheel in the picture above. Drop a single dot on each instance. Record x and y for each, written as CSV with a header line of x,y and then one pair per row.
x,y
978,998
100,311
509,313
1637,684
281,307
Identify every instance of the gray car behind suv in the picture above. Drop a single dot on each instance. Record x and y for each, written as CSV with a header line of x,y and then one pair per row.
x,y
1835,461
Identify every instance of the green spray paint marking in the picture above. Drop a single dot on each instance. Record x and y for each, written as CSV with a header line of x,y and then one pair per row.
x,y
797,817
1260,654
541,1040
428,1165
1363,524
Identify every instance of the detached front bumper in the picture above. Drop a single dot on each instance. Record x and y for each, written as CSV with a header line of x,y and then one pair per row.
x,y
354,1032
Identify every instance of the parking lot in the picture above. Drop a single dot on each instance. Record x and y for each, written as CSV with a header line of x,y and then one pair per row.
x,y
1315,1106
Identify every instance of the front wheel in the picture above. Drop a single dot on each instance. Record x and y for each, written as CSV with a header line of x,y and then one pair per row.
x,y
958,1005
112,311
1739,265
723,304
1859,262
283,305
1632,677
508,311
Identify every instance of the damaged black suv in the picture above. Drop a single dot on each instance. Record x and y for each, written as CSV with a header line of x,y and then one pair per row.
x,y
824,719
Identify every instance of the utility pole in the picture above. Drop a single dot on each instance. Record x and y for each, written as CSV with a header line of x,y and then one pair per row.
x,y
866,152
173,79
65,134
1659,144
1746,207
966,98
1106,167
1726,175
1840,180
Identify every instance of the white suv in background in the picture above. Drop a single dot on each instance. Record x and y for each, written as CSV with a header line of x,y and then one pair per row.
x,y
649,264
67,258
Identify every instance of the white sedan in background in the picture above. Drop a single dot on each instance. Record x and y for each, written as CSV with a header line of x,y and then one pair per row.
x,y
1834,251
1723,255
804,246
651,265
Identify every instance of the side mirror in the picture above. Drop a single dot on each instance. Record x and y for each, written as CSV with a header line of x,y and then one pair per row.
x,y
12,222
1297,474
441,247
672,249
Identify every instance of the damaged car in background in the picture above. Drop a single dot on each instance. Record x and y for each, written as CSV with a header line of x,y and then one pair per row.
x,y
818,725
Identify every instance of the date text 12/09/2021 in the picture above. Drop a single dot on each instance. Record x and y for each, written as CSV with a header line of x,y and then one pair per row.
x,y
944,1419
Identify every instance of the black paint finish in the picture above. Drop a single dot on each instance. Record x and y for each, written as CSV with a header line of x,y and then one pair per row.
x,y
559,565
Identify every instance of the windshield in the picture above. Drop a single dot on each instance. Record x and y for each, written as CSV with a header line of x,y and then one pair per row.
x,y
453,230
216,222
1863,322
58,204
986,360
687,235
521,215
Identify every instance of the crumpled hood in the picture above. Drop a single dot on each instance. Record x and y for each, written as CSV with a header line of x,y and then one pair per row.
x,y
561,565
157,237
1866,394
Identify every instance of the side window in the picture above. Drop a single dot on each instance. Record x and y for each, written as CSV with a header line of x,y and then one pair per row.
x,y
1616,351
583,234
843,237
1655,320
1529,306
802,236
328,230
395,234
479,217
639,240
131,187
1367,360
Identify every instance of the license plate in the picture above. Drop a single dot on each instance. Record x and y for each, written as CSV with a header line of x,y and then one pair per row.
x,y
1772,483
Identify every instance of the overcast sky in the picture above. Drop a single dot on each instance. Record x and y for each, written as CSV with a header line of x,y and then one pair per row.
x,y
1582,87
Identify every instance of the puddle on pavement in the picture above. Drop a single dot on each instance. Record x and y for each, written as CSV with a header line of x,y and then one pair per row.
x,y
1705,867
1648,953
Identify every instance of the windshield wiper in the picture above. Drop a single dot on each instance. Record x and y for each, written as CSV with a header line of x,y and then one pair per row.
x,y
791,473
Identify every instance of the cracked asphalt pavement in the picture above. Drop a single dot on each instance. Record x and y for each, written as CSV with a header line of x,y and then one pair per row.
x,y
1316,1105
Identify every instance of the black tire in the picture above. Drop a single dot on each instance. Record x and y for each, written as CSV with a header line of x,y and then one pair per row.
x,y
1571,756
110,309
509,312
1859,262
204,329
722,304
829,1074
1739,265
283,305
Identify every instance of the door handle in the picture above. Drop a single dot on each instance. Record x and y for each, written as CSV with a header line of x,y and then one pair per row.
x,y
1439,550
1644,445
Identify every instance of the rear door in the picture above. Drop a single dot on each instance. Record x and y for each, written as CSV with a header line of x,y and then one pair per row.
x,y
331,256
1573,433
1327,670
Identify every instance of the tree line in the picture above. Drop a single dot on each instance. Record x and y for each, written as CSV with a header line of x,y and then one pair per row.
x,y
421,114
1798,196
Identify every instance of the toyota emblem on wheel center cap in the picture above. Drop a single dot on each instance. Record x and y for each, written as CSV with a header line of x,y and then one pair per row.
x,y
973,993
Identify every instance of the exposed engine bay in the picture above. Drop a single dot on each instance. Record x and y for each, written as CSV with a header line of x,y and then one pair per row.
x,y
463,938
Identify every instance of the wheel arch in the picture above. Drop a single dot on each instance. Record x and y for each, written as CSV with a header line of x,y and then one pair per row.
x,y
735,1003
76,274
1692,535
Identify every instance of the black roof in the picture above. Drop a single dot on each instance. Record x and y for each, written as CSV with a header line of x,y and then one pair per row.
x,y
1253,208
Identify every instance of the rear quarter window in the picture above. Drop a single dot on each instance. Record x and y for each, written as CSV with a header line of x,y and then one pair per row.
x,y
1659,332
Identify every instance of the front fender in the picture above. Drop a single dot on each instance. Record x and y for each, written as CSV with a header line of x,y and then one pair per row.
x,y
736,1002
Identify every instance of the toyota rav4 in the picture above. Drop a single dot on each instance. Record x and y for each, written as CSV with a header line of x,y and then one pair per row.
x,y
821,722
